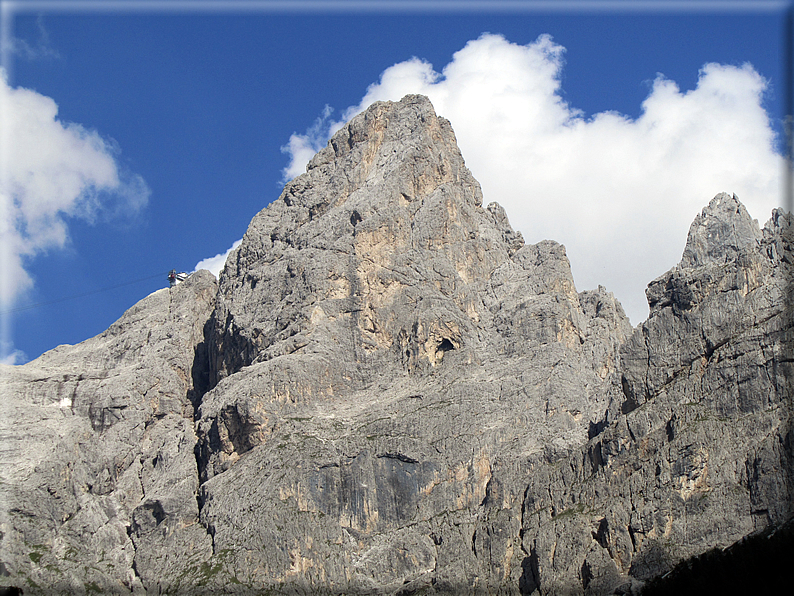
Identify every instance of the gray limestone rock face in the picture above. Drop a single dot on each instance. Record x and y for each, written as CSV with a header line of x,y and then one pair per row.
x,y
725,284
97,450
370,249
699,454
388,354
388,392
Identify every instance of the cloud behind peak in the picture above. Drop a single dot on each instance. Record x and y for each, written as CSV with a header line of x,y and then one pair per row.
x,y
619,192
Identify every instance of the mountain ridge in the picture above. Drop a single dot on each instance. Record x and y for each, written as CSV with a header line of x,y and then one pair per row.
x,y
388,391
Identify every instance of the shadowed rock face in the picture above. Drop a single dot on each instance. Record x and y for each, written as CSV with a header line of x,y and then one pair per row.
x,y
388,391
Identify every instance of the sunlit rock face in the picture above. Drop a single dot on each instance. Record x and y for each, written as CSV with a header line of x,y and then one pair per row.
x,y
387,391
387,353
699,453
98,473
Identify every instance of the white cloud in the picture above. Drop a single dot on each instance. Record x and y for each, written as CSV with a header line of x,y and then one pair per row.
x,y
620,193
51,171
301,148
9,355
215,264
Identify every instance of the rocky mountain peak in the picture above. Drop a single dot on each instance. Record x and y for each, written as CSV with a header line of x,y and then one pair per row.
x,y
731,276
381,262
377,246
391,156
388,392
404,141
719,232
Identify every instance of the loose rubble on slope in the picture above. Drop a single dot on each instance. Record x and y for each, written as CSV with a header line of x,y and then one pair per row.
x,y
387,391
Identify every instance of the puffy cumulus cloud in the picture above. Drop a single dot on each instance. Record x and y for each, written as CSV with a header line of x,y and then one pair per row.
x,y
215,264
619,193
51,171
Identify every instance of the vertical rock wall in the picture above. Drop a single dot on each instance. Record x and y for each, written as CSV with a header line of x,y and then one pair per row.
x,y
700,453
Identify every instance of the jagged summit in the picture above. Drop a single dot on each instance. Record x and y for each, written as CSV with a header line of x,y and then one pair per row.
x,y
395,155
720,232
381,261
387,391
730,278
386,223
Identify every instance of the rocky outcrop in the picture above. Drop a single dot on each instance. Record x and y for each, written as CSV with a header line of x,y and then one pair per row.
x,y
97,451
701,455
387,391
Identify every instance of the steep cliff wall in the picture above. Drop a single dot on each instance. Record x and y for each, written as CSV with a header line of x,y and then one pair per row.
x,y
387,354
699,454
387,391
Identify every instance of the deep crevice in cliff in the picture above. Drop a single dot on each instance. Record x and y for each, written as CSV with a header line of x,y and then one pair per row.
x,y
200,370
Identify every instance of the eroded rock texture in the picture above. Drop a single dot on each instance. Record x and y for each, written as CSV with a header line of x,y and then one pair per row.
x,y
702,454
387,391
99,474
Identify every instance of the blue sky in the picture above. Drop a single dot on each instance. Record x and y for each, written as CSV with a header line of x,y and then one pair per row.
x,y
194,106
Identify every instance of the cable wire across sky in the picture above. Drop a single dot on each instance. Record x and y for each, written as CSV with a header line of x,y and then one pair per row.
x,y
82,295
